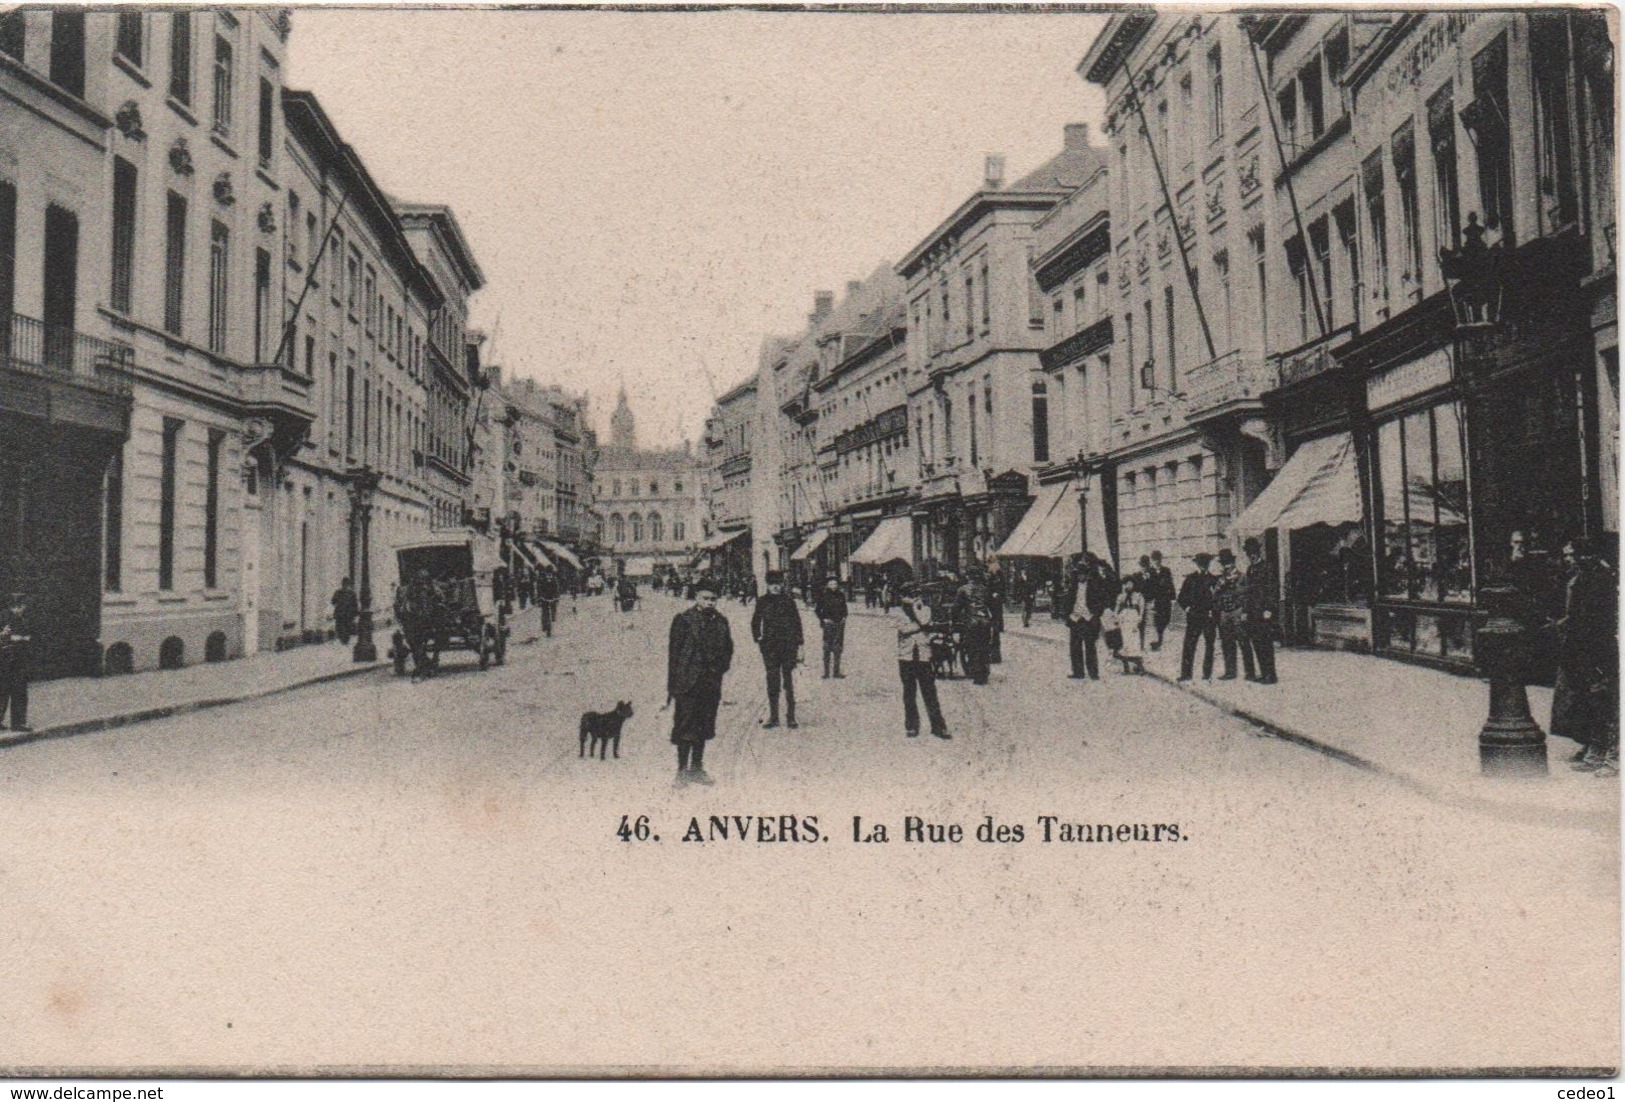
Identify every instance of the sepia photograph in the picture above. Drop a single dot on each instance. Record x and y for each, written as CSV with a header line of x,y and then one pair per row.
x,y
815,541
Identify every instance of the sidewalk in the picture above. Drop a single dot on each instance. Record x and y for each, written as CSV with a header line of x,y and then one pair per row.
x,y
1414,725
77,705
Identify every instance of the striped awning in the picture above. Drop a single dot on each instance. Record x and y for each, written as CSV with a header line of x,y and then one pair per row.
x,y
720,539
892,539
810,545
528,554
559,551
1320,484
1051,526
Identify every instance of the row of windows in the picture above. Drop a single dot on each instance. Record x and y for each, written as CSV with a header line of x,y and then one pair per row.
x,y
632,487
939,335
168,510
632,528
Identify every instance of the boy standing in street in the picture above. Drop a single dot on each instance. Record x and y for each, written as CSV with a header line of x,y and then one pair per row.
x,y
776,627
831,610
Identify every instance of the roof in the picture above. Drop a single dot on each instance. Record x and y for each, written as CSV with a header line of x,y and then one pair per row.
x,y
639,459
309,125
444,222
1116,39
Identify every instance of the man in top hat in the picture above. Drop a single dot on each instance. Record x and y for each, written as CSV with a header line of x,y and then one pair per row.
x,y
1229,606
1258,609
1160,593
700,650
1089,593
16,640
776,627
1196,598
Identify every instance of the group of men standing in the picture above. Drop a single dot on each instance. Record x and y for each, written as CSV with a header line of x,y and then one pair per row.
x,y
1237,606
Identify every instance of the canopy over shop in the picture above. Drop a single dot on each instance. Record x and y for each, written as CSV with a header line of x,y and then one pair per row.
x,y
560,553
810,546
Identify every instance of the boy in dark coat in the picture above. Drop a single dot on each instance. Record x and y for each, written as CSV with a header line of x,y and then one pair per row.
x,y
700,651
831,610
776,627
16,640
1161,597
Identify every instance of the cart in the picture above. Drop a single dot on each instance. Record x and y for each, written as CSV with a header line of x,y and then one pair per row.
x,y
947,654
446,600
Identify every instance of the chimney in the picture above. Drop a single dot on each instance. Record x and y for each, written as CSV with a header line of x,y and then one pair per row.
x,y
1077,135
823,303
995,171
853,286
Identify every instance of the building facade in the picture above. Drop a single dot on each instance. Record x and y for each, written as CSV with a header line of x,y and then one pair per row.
x,y
732,484
976,320
651,500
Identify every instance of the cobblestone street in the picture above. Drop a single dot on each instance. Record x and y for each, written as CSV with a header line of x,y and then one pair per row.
x,y
434,864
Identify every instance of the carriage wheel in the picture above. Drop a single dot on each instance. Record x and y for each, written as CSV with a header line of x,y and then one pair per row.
x,y
485,648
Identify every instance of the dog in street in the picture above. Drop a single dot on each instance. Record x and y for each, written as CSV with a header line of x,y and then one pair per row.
x,y
604,729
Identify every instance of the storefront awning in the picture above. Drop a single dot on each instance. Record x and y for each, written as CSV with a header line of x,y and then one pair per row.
x,y
808,546
561,552
892,539
722,539
1095,538
1043,505
532,557
1051,527
1320,484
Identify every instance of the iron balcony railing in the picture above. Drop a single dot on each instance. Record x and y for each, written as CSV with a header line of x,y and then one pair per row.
x,y
31,347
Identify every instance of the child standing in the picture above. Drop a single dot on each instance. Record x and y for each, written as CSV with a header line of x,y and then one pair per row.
x,y
1130,617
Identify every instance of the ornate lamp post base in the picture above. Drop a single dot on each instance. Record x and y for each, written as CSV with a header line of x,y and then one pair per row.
x,y
1511,743
365,649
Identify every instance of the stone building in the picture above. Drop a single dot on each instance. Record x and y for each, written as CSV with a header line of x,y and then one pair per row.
x,y
733,485
651,500
976,328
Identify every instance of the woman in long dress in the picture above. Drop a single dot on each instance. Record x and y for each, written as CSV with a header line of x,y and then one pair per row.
x,y
1130,616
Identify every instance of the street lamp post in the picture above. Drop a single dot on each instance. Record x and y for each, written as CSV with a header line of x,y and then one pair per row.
x,y
363,484
1510,743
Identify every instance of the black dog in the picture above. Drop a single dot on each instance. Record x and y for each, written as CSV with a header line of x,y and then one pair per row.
x,y
604,728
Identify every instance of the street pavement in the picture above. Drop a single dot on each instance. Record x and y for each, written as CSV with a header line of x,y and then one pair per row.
x,y
372,871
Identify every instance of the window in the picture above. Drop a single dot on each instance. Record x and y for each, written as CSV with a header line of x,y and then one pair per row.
x,y
1298,263
1261,270
657,531
311,244
349,409
1150,342
219,269
310,356
1035,295
13,33
1343,215
1320,243
211,512
970,307
166,503
970,404
1286,102
1314,100
352,286
128,42
1221,269
1187,122
678,534
335,277
987,298
1167,311
366,419
369,305
1424,507
1215,94
1131,363
654,488
617,524
1080,313
1403,148
294,208
1446,194
174,263
1376,213
1549,48
267,121
1336,51
68,51
180,56
1040,422
113,524
264,327
123,233
1487,117
222,86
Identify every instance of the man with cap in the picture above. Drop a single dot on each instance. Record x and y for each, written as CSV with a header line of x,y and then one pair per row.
x,y
1229,605
776,627
912,619
1258,608
974,619
1196,598
700,651
830,608
16,640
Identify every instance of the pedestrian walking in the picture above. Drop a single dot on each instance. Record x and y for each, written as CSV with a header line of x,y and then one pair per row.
x,y
698,654
1024,591
776,627
1196,598
16,646
911,616
1258,607
830,608
1160,598
1229,605
1584,704
547,599
995,606
1131,622
346,607
973,618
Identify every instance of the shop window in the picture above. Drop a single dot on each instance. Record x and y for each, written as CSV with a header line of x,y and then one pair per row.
x,y
1426,554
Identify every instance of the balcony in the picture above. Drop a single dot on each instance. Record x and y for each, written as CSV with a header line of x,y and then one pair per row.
x,y
1232,383
61,354
1311,359
63,376
283,399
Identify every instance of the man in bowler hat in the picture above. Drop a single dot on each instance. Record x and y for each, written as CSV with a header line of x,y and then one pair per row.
x,y
776,627
1229,603
1196,598
1258,608
700,651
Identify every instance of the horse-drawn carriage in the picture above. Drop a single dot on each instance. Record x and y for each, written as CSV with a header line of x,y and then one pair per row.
x,y
446,601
